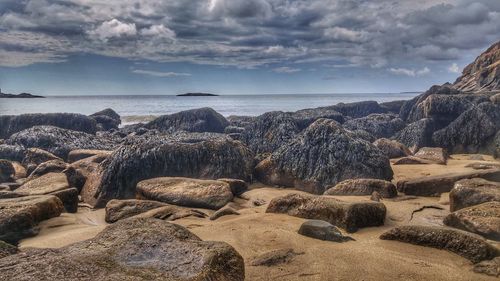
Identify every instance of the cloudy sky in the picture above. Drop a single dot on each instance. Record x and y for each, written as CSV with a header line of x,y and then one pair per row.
x,y
75,47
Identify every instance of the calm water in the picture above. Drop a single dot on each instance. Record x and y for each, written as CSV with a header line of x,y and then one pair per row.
x,y
141,108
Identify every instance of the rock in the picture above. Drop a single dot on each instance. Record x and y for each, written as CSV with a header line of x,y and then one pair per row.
x,y
323,155
45,184
358,109
225,211
171,213
380,125
35,156
483,165
240,121
237,186
234,130
12,152
470,246
7,171
121,209
59,141
51,166
306,117
276,257
106,119
80,154
417,134
20,171
69,198
391,148
434,154
483,74
495,99
491,267
19,216
132,249
435,185
322,230
376,197
10,124
393,106
209,194
194,156
363,187
350,216
85,175
482,219
195,120
473,191
7,249
412,160
477,157
7,194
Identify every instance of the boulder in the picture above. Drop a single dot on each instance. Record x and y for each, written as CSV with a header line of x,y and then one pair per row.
x,y
435,185
322,230
379,125
240,121
12,152
35,156
106,119
45,184
7,171
51,166
237,186
470,246
393,106
69,198
275,257
209,194
363,187
10,124
306,117
350,216
20,170
195,120
417,134
323,155
412,160
434,154
224,211
482,219
85,175
391,148
80,154
121,209
7,249
132,249
491,267
171,213
19,216
473,191
358,109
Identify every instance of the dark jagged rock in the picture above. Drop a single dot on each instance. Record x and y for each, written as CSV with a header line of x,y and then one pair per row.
x,y
363,187
417,134
69,198
121,209
19,216
12,152
491,267
364,135
471,132
434,154
470,246
379,125
80,154
473,191
393,106
7,171
350,216
322,230
358,109
391,148
203,156
52,166
7,249
482,219
195,120
107,119
132,249
240,121
276,257
237,186
306,117
10,124
59,141
323,155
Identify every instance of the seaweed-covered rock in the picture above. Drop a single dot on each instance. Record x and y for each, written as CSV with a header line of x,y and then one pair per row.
x,y
363,187
482,219
106,119
195,120
470,246
306,117
59,141
488,267
36,156
202,156
322,230
350,216
323,155
393,106
358,109
12,152
7,171
417,134
379,125
391,148
473,191
121,209
132,249
10,124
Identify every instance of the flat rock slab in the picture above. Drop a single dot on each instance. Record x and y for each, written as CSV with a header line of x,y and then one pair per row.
x,y
79,154
121,209
132,249
470,192
322,230
412,160
363,187
434,154
209,194
171,213
350,216
470,246
483,219
52,166
45,184
19,216
435,185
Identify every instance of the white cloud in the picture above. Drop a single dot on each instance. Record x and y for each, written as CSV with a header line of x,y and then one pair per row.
x,y
410,72
344,34
286,69
159,73
454,68
158,30
113,29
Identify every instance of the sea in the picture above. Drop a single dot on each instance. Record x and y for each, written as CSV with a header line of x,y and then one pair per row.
x,y
142,108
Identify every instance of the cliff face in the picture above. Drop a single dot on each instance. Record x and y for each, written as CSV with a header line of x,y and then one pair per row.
x,y
483,74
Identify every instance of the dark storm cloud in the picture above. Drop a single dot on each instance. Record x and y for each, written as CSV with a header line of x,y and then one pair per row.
x,y
248,33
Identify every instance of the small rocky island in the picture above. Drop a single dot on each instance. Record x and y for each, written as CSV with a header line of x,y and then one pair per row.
x,y
19,96
197,95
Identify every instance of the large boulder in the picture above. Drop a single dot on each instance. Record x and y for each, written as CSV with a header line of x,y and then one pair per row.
x,y
306,117
473,191
363,187
482,219
195,120
323,155
51,166
7,171
35,156
470,246
121,209
393,106
379,125
358,109
417,134
106,119
19,216
434,154
12,152
391,148
322,230
133,249
10,125
209,194
350,216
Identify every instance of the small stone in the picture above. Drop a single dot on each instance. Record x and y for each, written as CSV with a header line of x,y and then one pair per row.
x,y
322,230
225,211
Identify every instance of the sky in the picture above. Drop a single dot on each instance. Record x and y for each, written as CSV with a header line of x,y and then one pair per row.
x,y
133,47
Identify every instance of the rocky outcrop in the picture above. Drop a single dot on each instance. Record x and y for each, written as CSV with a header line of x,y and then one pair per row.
x,y
482,219
350,216
483,74
19,216
133,249
358,109
470,246
209,194
363,187
417,134
391,148
106,119
10,124
323,155
379,125
322,230
473,191
195,120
